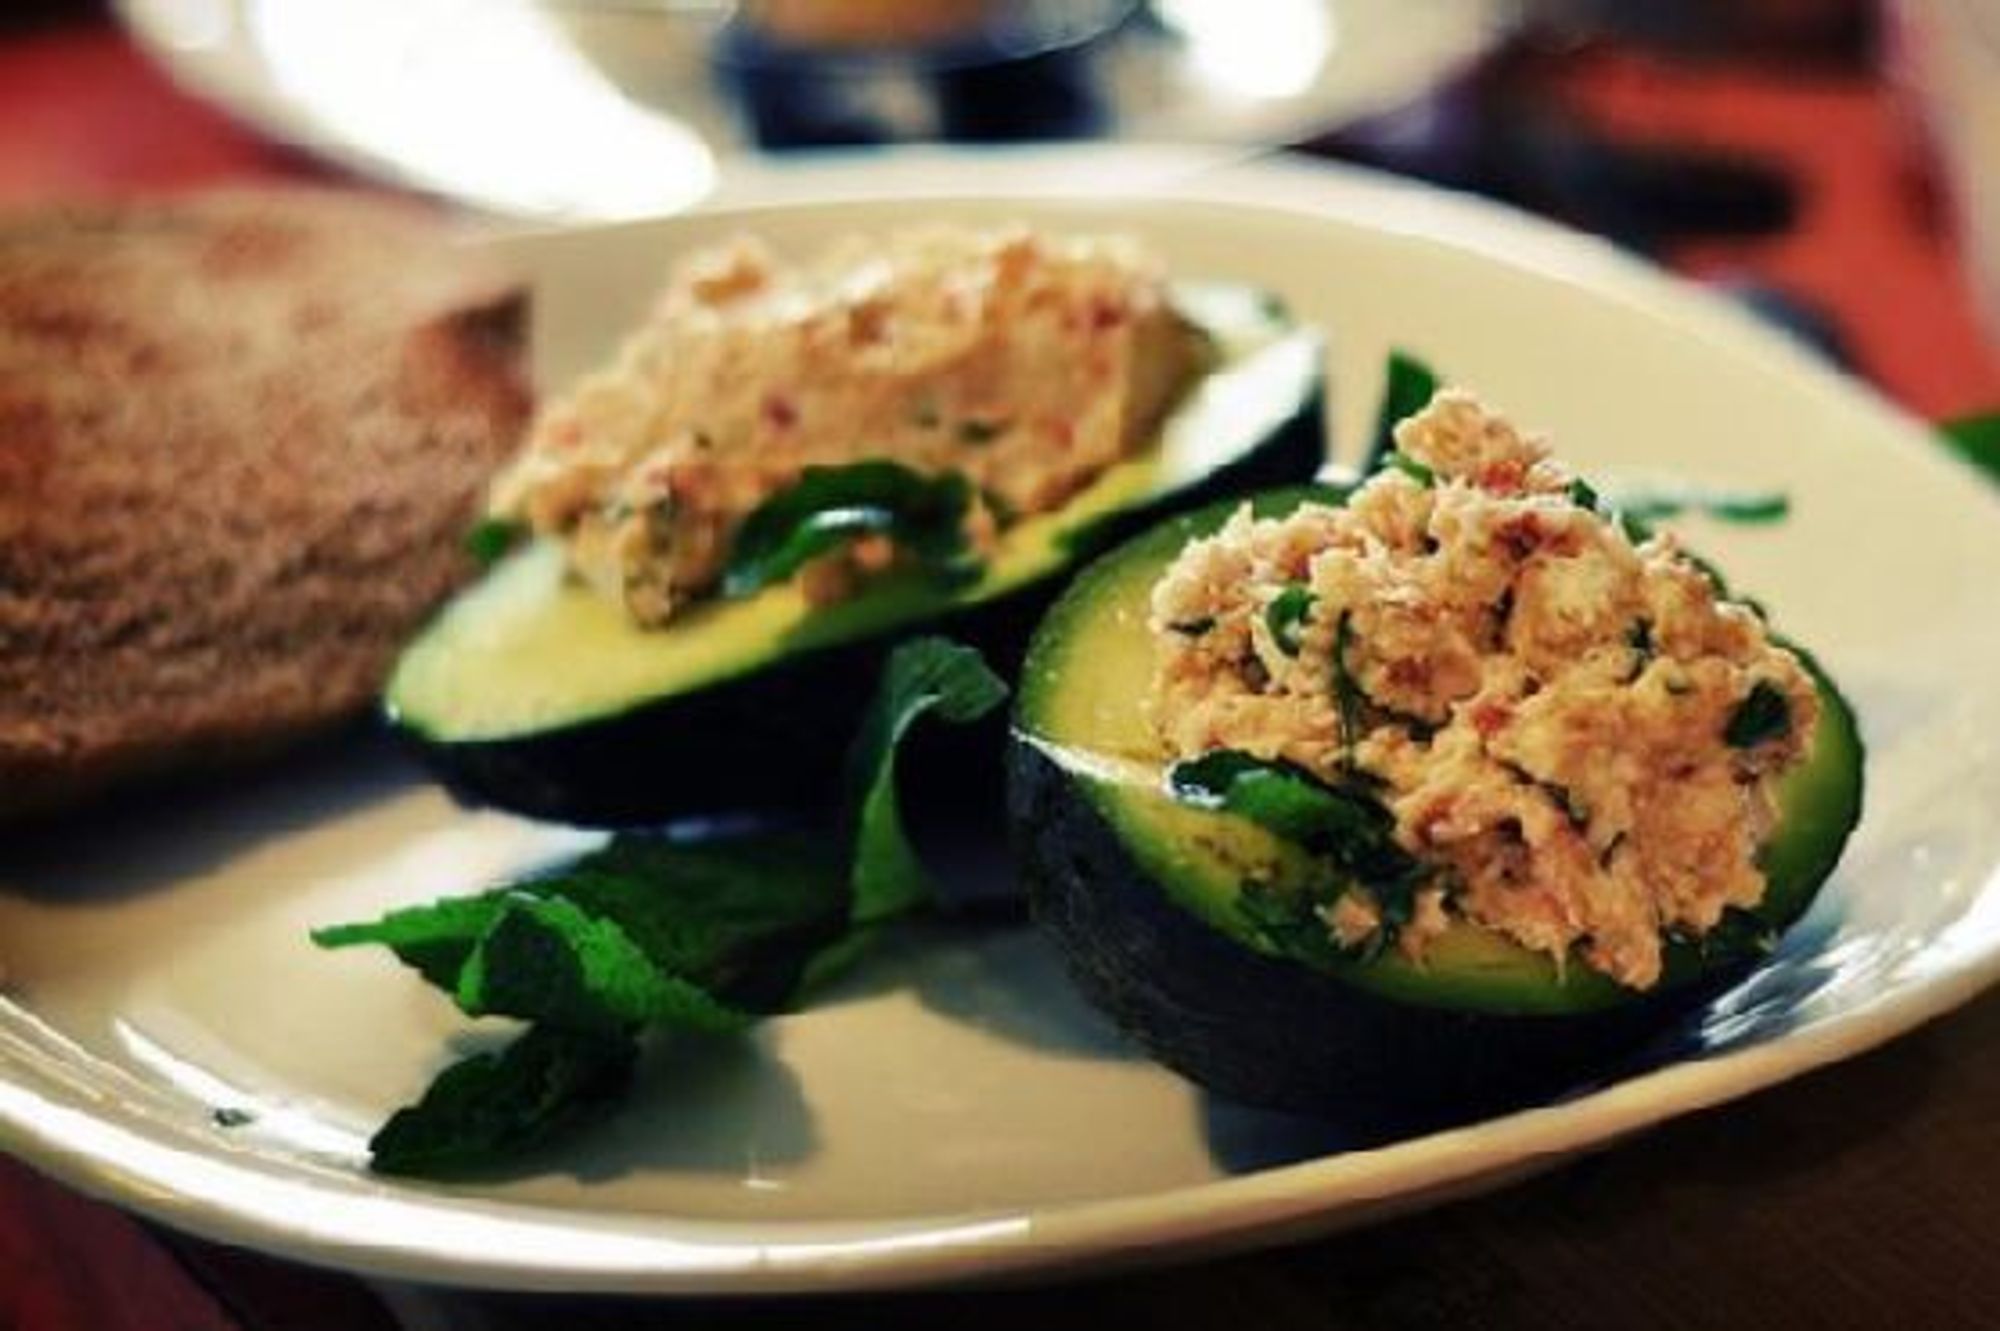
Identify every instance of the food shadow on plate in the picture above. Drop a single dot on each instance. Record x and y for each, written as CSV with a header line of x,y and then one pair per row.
x,y
1771,1002
978,961
1002,979
139,840
1244,1139
1768,1004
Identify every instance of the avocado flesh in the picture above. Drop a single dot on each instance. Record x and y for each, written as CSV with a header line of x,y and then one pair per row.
x,y
1141,893
537,694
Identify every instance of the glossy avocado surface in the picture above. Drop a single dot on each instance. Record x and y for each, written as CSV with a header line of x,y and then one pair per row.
x,y
532,693
1144,896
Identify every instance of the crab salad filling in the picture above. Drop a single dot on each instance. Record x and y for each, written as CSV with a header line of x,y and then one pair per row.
x,y
991,374
1578,737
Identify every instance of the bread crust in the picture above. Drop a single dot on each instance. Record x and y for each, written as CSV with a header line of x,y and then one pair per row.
x,y
241,436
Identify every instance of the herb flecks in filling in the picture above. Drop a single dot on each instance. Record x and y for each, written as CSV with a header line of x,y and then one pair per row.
x,y
1571,734
1022,366
1765,714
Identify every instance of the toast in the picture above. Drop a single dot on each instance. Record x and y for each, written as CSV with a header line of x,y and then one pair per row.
x,y
241,438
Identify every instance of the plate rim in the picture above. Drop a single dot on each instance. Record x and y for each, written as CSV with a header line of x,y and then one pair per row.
x,y
433,1234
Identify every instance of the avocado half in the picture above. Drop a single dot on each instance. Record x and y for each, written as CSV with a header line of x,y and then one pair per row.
x,y
534,694
1143,896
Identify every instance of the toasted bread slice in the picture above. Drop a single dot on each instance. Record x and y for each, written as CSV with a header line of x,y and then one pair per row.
x,y
241,437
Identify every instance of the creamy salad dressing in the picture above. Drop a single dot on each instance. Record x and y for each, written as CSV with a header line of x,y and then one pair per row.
x,y
1029,364
1552,713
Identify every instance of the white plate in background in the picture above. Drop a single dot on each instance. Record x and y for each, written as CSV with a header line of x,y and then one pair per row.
x,y
955,1111
596,109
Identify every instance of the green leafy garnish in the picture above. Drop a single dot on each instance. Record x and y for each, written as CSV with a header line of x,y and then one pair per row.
x,y
1286,616
1349,827
1583,496
548,960
1347,694
489,539
1397,460
1280,503
1290,921
1407,389
924,516
1750,507
1977,440
927,675
662,933
976,431
491,1106
1764,714
1639,637
729,914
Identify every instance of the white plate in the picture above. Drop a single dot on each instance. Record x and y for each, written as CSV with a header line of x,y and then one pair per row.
x,y
610,108
955,1111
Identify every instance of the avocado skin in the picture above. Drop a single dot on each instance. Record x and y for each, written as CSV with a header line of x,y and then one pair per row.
x,y
774,737
1268,1032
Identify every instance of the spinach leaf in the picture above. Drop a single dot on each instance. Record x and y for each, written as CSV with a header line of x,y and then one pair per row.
x,y
1286,616
1408,388
829,506
488,1107
1764,713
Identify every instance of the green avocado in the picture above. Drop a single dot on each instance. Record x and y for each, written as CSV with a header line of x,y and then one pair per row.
x,y
1146,897
532,693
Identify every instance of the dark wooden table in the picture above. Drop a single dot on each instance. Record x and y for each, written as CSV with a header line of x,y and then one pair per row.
x,y
1863,1195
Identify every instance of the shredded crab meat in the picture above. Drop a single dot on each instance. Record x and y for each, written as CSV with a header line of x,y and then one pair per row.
x,y
1541,703
1029,364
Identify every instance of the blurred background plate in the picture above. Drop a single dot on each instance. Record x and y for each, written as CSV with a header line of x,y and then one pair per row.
x,y
625,108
